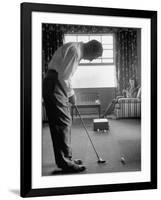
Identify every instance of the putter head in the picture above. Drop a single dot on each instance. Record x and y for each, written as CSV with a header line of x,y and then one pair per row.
x,y
101,160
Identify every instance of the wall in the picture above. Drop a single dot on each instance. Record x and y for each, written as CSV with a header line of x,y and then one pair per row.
x,y
105,94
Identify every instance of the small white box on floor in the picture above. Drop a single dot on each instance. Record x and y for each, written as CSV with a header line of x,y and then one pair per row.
x,y
100,124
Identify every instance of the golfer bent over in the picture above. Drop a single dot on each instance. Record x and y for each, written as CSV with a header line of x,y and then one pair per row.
x,y
58,93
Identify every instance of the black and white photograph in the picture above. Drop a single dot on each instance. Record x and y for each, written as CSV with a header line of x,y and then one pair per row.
x,y
91,104
80,93
88,100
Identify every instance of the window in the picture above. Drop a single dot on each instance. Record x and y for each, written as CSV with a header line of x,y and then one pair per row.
x,y
107,41
99,73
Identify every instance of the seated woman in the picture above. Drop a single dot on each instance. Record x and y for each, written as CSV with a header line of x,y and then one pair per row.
x,y
130,92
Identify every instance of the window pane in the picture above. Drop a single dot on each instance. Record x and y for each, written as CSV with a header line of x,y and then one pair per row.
x,y
96,76
107,54
104,60
83,38
70,38
96,61
108,39
95,37
107,46
84,61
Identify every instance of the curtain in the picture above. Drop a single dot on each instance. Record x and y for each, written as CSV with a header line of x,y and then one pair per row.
x,y
52,38
126,58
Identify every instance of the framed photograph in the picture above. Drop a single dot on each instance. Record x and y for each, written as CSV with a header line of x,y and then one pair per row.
x,y
88,99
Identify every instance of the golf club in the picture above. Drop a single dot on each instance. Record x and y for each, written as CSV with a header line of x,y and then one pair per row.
x,y
100,160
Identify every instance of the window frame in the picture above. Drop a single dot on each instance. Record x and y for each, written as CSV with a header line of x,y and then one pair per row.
x,y
96,34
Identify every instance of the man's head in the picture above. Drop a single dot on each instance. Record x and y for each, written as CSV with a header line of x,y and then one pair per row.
x,y
92,50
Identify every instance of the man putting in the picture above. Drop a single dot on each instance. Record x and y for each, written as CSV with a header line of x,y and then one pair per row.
x,y
58,93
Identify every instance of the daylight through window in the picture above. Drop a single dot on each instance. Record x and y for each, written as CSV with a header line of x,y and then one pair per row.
x,y
99,73
107,41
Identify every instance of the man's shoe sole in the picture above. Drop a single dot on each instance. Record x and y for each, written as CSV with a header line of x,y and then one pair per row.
x,y
74,169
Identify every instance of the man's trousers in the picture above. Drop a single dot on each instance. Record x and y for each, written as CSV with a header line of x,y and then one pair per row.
x,y
59,118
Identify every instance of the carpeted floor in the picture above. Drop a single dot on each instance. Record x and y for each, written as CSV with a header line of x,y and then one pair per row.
x,y
123,140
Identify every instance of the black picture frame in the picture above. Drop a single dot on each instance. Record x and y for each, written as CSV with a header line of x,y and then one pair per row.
x,y
26,102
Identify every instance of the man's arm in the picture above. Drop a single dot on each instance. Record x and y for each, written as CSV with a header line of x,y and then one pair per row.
x,y
68,64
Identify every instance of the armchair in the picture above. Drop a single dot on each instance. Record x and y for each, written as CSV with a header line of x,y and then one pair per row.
x,y
128,107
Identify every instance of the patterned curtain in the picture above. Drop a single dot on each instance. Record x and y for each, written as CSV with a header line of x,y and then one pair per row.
x,y
52,38
126,58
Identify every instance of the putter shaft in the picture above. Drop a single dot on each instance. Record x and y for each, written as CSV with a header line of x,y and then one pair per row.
x,y
99,159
